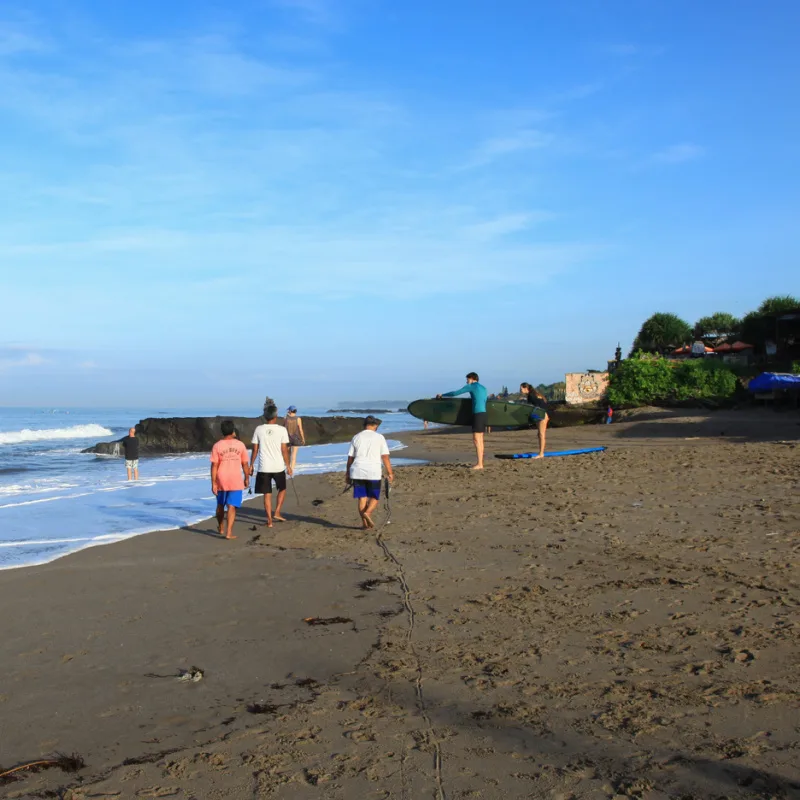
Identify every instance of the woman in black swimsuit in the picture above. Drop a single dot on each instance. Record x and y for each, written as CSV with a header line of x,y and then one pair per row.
x,y
539,415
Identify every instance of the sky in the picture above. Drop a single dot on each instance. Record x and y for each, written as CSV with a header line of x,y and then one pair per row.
x,y
202,202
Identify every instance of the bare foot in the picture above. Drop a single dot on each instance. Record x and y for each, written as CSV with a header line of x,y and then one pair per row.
x,y
279,518
539,456
478,466
230,537
268,523
368,523
221,532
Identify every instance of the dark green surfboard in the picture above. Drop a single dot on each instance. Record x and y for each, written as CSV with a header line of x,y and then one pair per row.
x,y
458,411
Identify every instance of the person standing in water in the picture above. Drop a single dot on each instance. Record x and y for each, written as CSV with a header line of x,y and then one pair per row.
x,y
478,393
131,446
539,415
297,438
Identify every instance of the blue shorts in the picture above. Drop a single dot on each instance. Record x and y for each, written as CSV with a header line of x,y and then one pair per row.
x,y
230,499
365,488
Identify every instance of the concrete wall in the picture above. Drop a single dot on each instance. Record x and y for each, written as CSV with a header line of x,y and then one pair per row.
x,y
586,387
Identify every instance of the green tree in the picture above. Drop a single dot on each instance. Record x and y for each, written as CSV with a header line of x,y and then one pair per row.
x,y
759,326
779,304
662,332
716,326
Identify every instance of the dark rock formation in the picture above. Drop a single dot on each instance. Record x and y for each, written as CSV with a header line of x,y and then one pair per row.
x,y
158,436
564,416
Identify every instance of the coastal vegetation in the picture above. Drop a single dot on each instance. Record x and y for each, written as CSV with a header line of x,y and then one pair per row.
x,y
650,379
665,331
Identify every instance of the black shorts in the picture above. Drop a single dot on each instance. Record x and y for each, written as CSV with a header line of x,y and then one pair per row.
x,y
264,482
479,422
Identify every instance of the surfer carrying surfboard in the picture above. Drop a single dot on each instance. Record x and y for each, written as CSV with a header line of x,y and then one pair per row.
x,y
539,415
478,393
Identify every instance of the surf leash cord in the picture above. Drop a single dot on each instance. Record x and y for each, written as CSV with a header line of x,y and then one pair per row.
x,y
422,706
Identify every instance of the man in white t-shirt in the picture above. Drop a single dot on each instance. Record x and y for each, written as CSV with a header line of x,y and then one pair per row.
x,y
368,454
271,448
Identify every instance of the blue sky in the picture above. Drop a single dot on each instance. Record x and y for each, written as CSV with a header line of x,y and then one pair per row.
x,y
204,202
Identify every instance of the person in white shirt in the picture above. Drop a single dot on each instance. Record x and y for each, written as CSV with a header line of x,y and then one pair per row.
x,y
368,454
271,448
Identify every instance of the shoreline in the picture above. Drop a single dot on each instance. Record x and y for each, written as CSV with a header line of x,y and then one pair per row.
x,y
590,627
103,539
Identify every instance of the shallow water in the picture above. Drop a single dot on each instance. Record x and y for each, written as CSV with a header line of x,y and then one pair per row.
x,y
55,500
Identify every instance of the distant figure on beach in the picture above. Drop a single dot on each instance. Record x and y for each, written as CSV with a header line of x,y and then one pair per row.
x,y
425,424
539,415
297,437
368,454
271,448
478,393
131,446
609,416
229,475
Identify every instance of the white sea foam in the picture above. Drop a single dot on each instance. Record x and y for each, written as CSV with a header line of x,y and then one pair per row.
x,y
90,431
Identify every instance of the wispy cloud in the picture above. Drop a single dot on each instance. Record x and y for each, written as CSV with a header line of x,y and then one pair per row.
x,y
12,357
17,39
509,144
632,49
317,12
679,153
507,224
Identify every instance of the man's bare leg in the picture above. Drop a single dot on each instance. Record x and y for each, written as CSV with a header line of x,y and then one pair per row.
x,y
370,507
279,505
220,518
362,507
268,507
128,470
292,457
231,520
477,438
136,473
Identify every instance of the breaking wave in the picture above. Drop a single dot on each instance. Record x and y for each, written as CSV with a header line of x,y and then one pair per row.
x,y
90,431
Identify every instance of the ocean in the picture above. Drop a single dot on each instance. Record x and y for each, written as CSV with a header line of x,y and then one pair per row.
x,y
55,500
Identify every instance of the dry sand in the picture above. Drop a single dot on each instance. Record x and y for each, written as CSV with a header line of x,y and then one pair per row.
x,y
615,625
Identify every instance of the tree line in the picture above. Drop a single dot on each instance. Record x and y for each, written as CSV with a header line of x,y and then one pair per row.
x,y
664,331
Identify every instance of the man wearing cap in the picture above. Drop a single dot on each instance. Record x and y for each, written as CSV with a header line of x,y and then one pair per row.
x,y
270,462
368,454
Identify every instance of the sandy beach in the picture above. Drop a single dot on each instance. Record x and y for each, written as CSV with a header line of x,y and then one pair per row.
x,y
615,625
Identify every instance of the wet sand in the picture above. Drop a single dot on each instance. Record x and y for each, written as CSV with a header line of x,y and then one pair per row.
x,y
621,625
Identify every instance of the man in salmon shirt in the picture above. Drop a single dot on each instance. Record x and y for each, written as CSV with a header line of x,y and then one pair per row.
x,y
230,475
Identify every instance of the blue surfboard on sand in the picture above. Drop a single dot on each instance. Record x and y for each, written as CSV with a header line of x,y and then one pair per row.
x,y
553,453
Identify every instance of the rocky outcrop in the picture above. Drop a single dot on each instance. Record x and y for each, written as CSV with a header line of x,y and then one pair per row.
x,y
159,436
564,416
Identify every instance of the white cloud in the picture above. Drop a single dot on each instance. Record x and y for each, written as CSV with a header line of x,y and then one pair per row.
x,y
633,49
12,357
509,144
679,153
15,40
506,224
317,12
